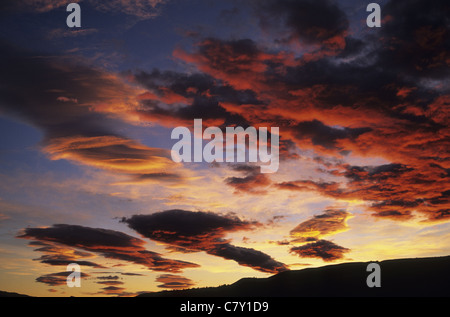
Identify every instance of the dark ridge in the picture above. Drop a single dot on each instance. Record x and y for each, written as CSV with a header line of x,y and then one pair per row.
x,y
419,277
11,294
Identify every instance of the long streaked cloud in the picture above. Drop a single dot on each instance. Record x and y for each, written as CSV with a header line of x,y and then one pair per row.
x,y
189,231
171,281
59,255
57,279
107,243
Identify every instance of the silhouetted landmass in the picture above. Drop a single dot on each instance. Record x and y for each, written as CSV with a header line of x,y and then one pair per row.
x,y
10,294
420,277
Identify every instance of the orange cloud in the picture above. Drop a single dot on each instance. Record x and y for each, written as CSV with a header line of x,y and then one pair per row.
x,y
174,281
332,221
111,153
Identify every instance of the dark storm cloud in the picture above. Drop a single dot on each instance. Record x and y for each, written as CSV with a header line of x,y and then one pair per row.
x,y
108,243
312,21
418,43
185,228
322,249
200,95
203,231
322,135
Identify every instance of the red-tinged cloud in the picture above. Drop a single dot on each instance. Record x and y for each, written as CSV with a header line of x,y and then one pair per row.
x,y
253,182
321,249
310,232
188,231
108,243
239,63
394,190
201,93
171,281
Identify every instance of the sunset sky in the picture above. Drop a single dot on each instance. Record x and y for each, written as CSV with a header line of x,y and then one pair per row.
x,y
86,115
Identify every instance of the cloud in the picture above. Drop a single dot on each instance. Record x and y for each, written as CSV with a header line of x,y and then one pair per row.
x,y
111,153
110,283
112,290
417,43
174,281
202,231
132,274
108,243
58,255
331,221
325,136
309,234
78,126
109,277
40,6
175,98
393,190
57,279
308,20
322,249
249,257
142,9
187,228
253,181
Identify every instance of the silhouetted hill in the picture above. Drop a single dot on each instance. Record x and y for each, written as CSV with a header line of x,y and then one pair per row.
x,y
9,294
421,277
